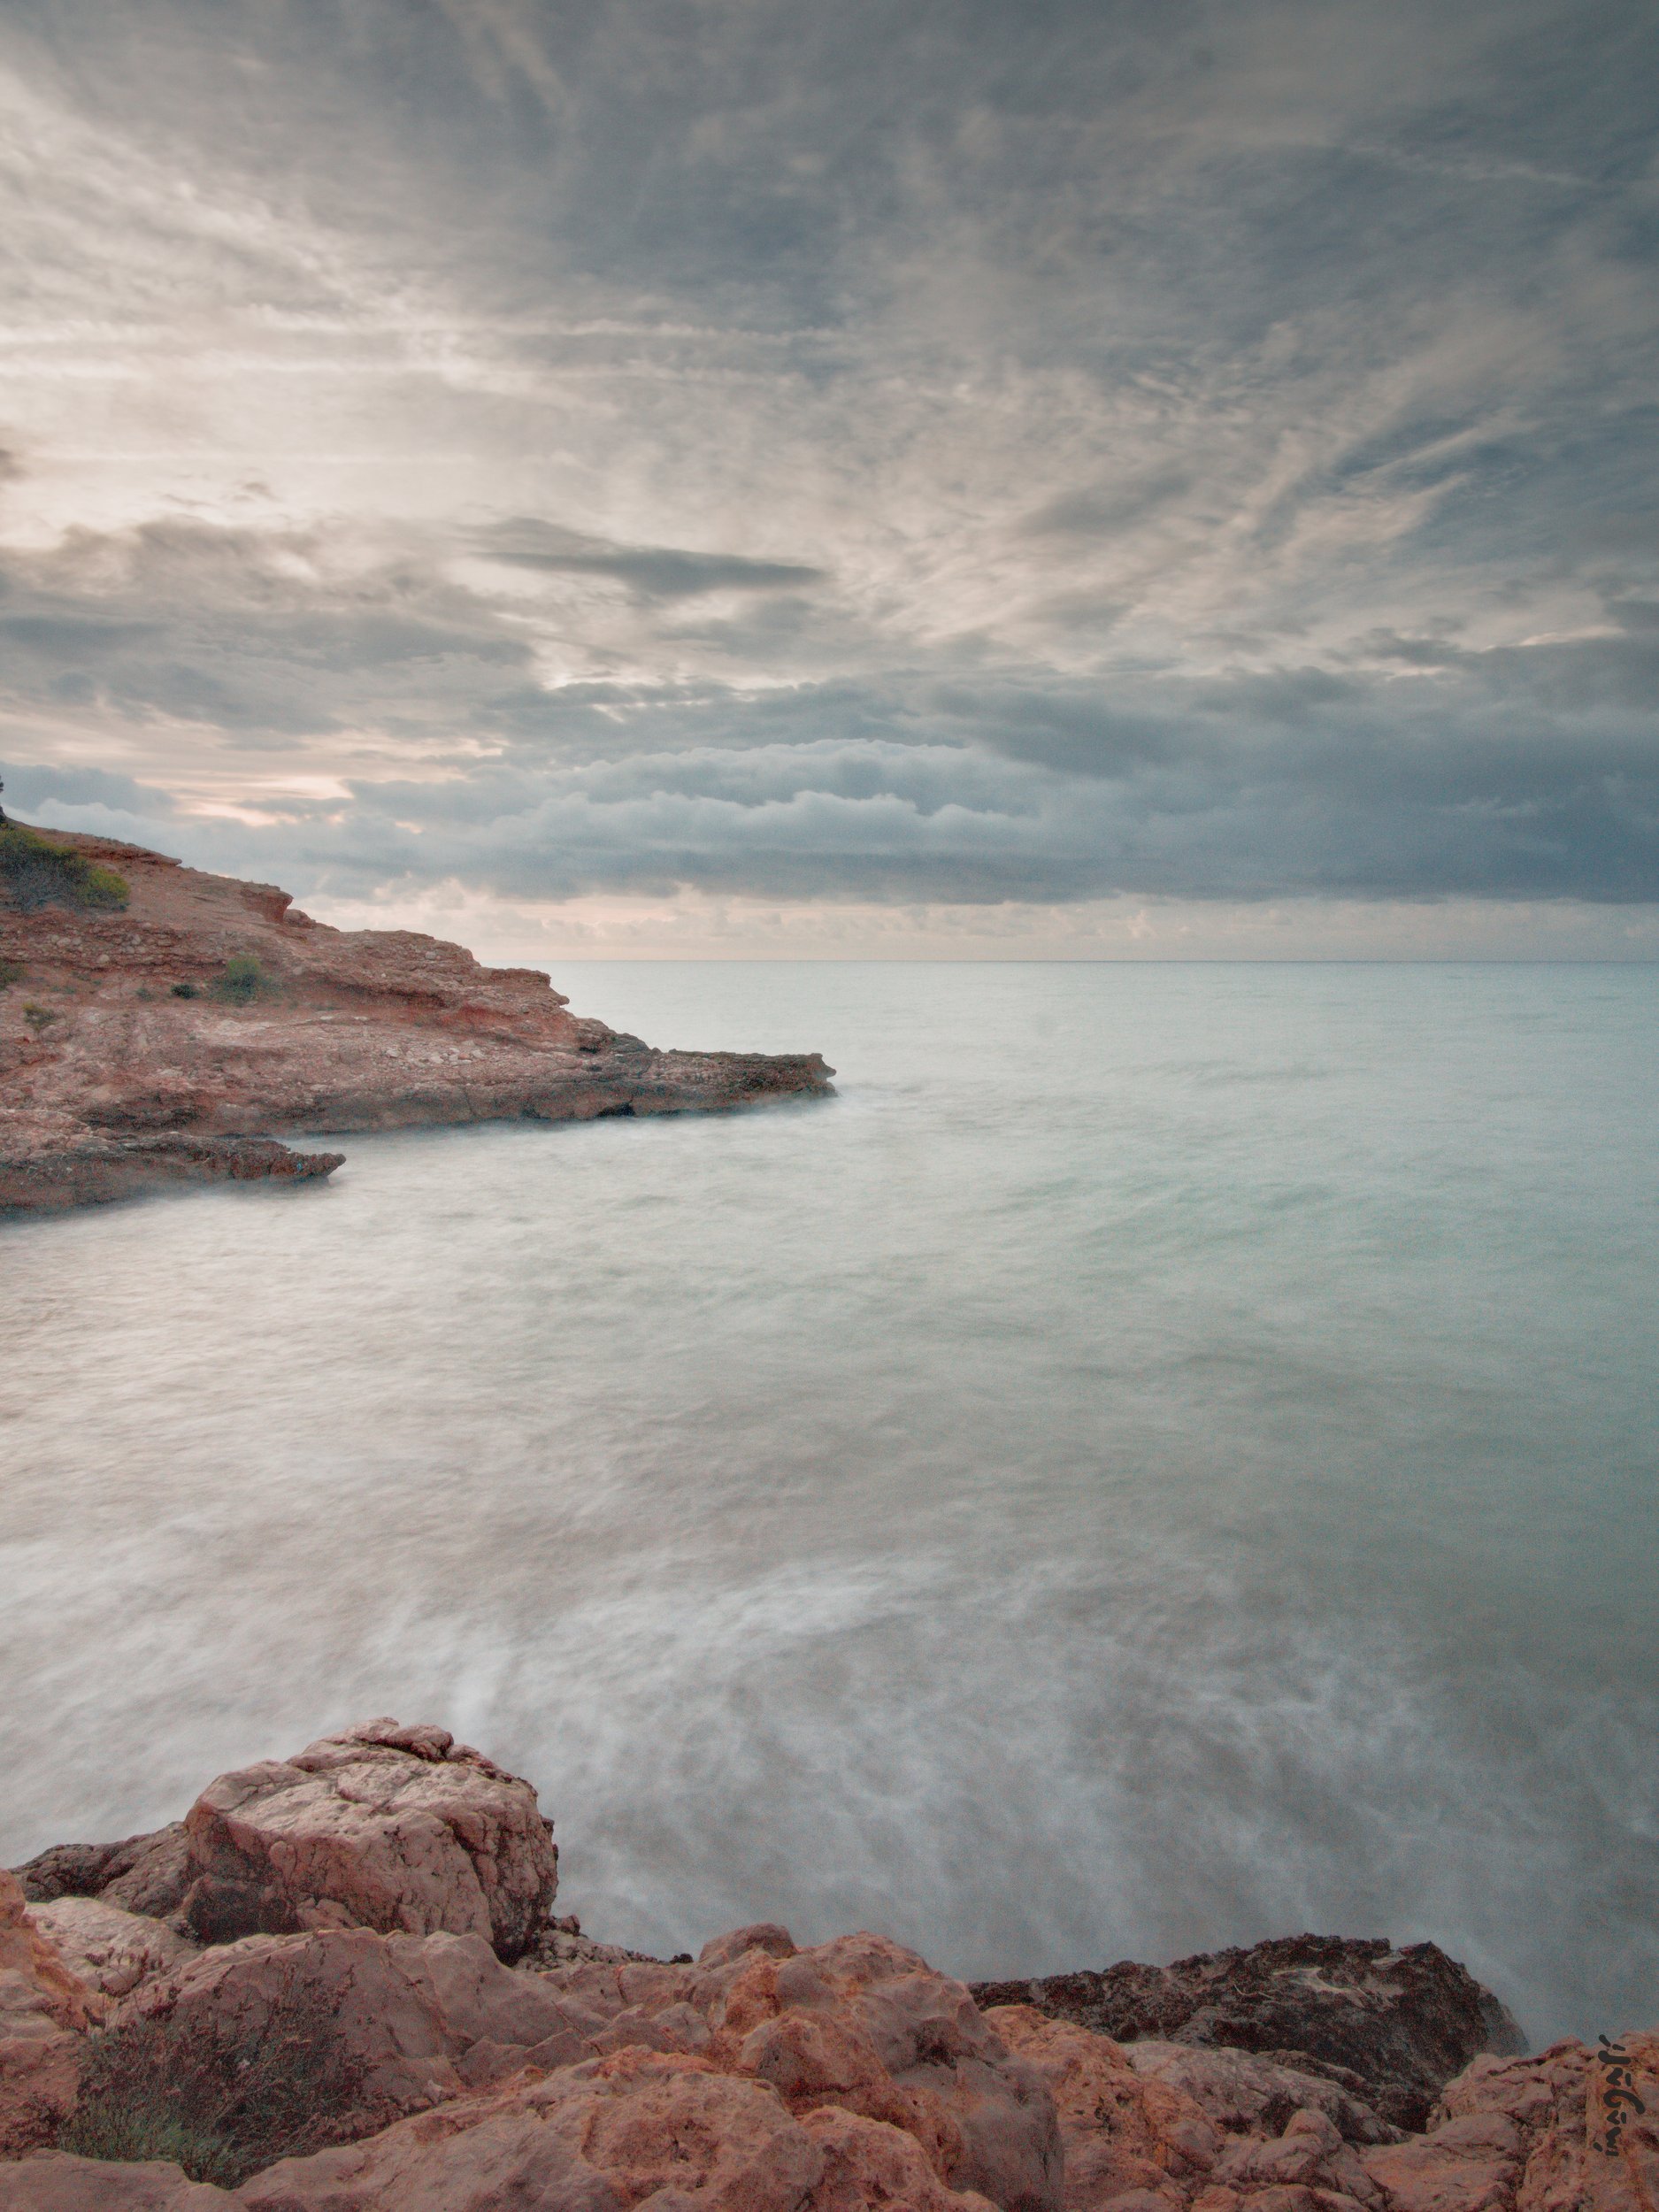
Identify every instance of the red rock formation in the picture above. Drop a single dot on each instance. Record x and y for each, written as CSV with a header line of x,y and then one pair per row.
x,y
641,2128
111,1082
1121,2133
1391,2026
44,2011
111,1951
402,2022
432,2075
141,1874
381,1827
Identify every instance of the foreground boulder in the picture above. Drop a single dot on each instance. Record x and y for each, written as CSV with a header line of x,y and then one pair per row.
x,y
398,1828
382,1827
278,2043
860,2023
851,2067
1392,2026
44,2014
639,2127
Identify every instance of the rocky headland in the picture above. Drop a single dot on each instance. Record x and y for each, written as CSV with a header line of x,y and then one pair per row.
x,y
158,1024
338,1985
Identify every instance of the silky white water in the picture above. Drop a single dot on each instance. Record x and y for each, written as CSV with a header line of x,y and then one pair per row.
x,y
1165,1457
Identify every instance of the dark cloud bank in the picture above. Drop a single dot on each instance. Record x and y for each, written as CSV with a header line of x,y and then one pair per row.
x,y
960,454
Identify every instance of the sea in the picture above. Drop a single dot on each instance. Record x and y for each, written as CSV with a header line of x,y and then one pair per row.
x,y
1164,1457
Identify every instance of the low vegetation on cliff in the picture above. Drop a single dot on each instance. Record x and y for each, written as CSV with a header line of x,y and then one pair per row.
x,y
38,872
218,2098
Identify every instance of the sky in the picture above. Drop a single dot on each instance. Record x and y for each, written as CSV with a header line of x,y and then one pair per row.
x,y
701,478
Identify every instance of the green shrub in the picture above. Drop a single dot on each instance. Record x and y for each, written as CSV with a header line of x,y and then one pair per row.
x,y
185,990
222,2100
38,1018
11,972
39,873
243,981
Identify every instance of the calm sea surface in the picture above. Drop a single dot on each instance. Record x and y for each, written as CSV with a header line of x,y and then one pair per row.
x,y
1166,1458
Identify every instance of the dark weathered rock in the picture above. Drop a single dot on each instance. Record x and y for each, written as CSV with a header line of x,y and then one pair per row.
x,y
145,1874
1391,2027
94,1169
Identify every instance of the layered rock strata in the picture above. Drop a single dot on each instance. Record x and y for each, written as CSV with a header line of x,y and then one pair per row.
x,y
163,1042
409,2030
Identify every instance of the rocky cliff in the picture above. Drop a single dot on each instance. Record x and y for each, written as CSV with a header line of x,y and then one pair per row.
x,y
337,1985
159,1030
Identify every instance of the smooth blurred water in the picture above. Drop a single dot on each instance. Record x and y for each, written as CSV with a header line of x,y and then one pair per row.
x,y
1166,1458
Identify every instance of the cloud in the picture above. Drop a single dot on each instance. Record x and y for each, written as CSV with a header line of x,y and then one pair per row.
x,y
1455,781
1187,451
654,571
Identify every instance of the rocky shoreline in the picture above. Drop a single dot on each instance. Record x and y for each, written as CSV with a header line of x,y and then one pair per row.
x,y
338,1985
163,1033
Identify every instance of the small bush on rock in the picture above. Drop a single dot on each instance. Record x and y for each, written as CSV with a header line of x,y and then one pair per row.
x,y
243,981
223,2103
38,873
185,990
11,972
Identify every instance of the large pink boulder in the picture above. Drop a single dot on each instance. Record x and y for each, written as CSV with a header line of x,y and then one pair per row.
x,y
639,2127
44,2012
382,1826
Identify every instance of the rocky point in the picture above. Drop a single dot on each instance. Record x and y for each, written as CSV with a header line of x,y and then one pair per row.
x,y
163,1033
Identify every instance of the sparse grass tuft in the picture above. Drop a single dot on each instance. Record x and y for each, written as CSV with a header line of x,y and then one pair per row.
x,y
40,1017
39,873
221,2100
243,981
11,972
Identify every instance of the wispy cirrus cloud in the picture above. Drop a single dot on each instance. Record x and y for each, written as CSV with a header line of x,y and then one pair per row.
x,y
1190,452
